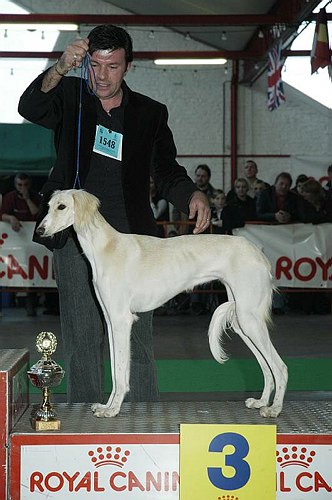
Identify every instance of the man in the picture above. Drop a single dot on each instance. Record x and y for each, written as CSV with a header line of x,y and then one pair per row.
x,y
250,174
202,180
278,203
124,138
22,204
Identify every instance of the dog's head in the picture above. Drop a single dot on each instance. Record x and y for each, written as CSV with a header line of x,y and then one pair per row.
x,y
67,208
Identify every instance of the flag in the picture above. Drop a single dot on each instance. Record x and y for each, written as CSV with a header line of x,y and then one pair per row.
x,y
320,52
275,93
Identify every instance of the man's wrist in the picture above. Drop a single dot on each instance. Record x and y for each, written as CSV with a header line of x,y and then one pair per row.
x,y
57,70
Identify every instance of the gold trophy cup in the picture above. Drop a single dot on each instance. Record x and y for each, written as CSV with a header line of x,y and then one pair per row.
x,y
45,374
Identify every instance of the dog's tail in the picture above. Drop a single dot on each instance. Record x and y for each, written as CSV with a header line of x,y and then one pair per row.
x,y
223,317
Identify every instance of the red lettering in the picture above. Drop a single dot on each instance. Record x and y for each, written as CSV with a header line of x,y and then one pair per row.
x,y
321,483
51,476
150,479
85,482
15,268
283,266
305,260
36,479
34,265
96,486
324,267
134,482
71,479
175,480
299,481
283,487
2,273
112,483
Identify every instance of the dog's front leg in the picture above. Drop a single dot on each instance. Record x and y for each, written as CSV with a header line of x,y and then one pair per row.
x,y
119,346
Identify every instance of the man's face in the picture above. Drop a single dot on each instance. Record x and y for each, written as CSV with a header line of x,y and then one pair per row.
x,y
250,169
22,186
282,186
107,71
201,178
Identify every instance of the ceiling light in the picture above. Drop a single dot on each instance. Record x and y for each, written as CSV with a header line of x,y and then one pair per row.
x,y
184,62
39,26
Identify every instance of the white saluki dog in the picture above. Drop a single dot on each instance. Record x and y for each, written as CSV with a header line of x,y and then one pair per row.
x,y
133,273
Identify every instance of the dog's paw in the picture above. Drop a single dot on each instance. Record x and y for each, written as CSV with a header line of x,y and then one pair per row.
x,y
254,403
270,411
101,411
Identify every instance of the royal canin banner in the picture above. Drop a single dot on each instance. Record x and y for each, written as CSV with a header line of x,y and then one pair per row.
x,y
146,467
300,254
24,263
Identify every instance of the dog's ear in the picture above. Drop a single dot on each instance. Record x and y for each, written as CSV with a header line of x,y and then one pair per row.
x,y
85,206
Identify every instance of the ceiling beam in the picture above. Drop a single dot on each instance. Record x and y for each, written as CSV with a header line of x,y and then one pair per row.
x,y
285,16
150,55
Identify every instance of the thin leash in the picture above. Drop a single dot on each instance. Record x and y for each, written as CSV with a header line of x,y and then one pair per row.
x,y
84,77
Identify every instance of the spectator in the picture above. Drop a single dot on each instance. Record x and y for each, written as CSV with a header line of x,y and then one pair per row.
x,y
316,205
159,207
250,174
20,205
202,180
300,180
244,203
224,217
278,203
259,186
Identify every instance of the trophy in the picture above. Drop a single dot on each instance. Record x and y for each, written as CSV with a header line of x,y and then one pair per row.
x,y
45,374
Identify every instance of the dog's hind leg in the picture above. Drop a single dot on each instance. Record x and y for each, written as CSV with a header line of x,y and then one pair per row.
x,y
119,330
255,334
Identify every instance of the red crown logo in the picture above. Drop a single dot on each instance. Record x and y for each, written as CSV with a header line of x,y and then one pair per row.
x,y
109,455
295,456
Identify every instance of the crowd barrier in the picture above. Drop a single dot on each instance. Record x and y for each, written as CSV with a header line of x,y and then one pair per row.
x,y
300,255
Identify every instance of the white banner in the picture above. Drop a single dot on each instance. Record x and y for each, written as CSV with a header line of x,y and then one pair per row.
x,y
23,263
146,467
300,254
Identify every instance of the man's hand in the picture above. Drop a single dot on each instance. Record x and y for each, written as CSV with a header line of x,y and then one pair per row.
x,y
199,205
282,217
15,223
72,56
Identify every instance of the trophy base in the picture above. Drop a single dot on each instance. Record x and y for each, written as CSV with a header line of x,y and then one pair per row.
x,y
45,425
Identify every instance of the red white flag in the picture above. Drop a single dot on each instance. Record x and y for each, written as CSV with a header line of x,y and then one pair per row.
x,y
320,53
275,91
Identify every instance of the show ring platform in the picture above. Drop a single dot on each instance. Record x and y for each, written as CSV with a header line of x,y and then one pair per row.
x,y
136,454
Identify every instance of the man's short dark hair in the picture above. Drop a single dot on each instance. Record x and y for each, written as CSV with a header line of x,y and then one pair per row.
x,y
285,175
110,37
22,176
204,167
329,169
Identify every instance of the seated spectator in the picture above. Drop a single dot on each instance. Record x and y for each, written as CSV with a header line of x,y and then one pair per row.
x,y
202,182
244,203
22,204
250,175
316,205
278,203
159,207
300,180
259,186
224,217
